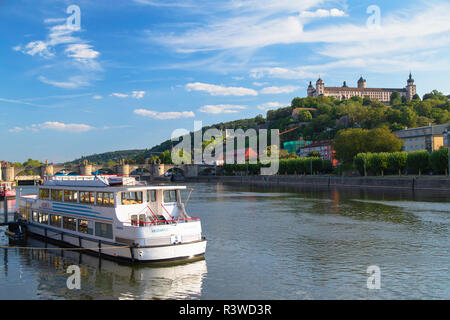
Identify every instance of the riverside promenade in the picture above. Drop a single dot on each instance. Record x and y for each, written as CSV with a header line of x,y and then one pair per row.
x,y
404,182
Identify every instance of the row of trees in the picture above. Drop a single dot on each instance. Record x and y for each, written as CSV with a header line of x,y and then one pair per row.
x,y
313,165
400,162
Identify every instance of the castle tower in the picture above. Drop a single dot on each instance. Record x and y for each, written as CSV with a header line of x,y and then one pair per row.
x,y
320,87
311,90
361,83
410,88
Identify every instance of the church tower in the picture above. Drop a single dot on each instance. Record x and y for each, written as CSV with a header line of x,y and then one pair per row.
x,y
311,90
320,87
361,83
410,88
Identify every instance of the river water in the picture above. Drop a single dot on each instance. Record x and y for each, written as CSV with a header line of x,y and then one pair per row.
x,y
268,244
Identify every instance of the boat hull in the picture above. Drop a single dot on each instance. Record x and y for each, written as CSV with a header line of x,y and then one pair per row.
x,y
116,251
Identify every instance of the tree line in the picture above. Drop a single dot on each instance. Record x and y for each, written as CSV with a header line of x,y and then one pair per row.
x,y
414,162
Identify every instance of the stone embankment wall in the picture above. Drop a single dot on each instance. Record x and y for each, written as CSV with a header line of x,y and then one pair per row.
x,y
406,183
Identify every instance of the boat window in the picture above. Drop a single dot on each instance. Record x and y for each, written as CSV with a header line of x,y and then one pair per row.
x,y
86,197
55,220
170,196
70,196
44,194
35,216
56,195
103,230
43,218
131,198
70,223
105,199
151,195
83,226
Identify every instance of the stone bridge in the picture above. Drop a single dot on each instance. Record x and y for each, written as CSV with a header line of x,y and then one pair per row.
x,y
9,173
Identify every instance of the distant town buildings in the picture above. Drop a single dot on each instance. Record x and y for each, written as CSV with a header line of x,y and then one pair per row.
x,y
323,148
345,92
295,146
429,138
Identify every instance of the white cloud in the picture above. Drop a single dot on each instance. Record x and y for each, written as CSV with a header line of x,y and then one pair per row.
x,y
221,108
56,126
16,129
279,90
81,55
260,84
73,82
119,95
138,94
323,13
59,126
81,51
216,90
271,105
281,73
97,97
164,115
134,94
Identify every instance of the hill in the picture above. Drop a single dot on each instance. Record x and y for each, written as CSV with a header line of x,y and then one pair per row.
x,y
322,118
109,157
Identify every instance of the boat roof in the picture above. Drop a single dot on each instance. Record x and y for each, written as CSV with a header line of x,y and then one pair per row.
x,y
112,188
106,183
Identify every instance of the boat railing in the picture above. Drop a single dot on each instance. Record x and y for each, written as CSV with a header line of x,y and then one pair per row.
x,y
141,223
153,219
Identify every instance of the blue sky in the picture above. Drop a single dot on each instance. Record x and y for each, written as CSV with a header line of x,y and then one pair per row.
x,y
134,71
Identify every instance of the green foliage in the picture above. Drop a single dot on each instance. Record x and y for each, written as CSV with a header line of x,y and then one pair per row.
x,y
348,143
166,157
418,161
115,157
378,163
326,117
32,163
397,161
439,161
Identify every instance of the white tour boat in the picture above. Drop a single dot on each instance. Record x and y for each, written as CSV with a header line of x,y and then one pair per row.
x,y
117,217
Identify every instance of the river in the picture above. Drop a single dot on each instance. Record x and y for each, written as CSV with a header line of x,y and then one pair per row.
x,y
268,244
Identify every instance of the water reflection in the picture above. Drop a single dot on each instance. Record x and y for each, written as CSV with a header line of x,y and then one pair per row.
x,y
105,279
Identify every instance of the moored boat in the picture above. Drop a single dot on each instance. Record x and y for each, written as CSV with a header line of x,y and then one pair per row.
x,y
116,217
7,191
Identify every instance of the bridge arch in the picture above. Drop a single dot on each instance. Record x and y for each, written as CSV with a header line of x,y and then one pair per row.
x,y
27,171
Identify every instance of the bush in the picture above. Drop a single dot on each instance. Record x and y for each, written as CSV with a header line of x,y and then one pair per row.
x,y
397,162
439,161
378,162
418,161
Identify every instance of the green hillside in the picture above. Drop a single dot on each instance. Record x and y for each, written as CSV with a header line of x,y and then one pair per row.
x,y
322,118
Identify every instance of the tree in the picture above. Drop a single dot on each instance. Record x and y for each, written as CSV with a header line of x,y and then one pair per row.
x,y
378,162
439,161
397,161
435,95
348,143
304,116
166,157
395,99
32,163
418,161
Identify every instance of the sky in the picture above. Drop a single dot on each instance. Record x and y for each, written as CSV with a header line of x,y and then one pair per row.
x,y
85,77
